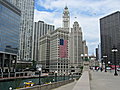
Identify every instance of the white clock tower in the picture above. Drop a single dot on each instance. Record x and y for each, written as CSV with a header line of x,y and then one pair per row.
x,y
66,18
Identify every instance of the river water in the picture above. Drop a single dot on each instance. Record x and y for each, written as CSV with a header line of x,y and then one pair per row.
x,y
5,85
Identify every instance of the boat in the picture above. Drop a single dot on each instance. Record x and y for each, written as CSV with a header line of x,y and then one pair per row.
x,y
28,84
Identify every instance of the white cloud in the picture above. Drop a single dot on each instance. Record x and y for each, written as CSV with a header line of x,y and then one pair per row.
x,y
48,17
88,13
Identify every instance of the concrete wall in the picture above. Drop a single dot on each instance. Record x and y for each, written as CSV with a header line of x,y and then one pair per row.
x,y
47,86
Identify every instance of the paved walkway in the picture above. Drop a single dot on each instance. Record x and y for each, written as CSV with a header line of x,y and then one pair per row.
x,y
105,81
69,86
99,81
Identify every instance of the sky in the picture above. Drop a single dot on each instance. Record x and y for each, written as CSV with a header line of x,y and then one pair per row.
x,y
88,13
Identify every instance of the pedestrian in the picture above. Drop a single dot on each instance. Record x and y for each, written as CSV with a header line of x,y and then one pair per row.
x,y
93,68
101,69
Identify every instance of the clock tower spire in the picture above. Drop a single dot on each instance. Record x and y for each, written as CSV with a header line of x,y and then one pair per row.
x,y
66,18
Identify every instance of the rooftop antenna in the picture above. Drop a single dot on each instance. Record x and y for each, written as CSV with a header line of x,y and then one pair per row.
x,y
66,4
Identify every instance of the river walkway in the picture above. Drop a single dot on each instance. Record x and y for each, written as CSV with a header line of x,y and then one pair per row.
x,y
99,81
105,81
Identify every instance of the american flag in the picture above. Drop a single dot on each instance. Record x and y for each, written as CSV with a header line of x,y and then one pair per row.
x,y
63,48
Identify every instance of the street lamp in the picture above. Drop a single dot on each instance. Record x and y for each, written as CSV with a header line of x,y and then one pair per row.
x,y
102,63
55,76
114,50
72,75
86,57
109,63
105,62
39,69
10,88
82,56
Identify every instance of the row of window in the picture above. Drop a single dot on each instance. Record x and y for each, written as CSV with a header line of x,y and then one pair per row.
x,y
9,22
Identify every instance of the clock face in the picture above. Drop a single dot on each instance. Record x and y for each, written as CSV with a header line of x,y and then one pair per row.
x,y
66,19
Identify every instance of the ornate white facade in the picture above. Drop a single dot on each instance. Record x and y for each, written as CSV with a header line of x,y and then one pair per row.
x,y
66,19
75,44
57,63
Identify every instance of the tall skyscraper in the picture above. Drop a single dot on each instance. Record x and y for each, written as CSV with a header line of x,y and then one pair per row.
x,y
40,29
84,48
27,15
75,45
9,37
110,35
44,52
97,53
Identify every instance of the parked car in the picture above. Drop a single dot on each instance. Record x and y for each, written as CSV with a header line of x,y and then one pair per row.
x,y
118,69
108,68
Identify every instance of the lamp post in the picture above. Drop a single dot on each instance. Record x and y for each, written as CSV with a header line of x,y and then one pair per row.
x,y
55,76
82,57
114,50
109,63
10,88
72,75
64,75
105,62
101,64
68,76
86,57
39,69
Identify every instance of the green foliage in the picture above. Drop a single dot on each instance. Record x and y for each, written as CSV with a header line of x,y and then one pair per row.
x,y
86,59
34,64
81,67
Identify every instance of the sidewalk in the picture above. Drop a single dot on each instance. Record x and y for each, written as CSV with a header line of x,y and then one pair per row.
x,y
69,86
105,81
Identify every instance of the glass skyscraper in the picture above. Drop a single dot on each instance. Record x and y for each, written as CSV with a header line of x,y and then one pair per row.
x,y
9,27
26,27
9,37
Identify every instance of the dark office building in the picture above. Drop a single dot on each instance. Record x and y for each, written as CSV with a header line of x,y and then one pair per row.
x,y
9,37
97,53
110,36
